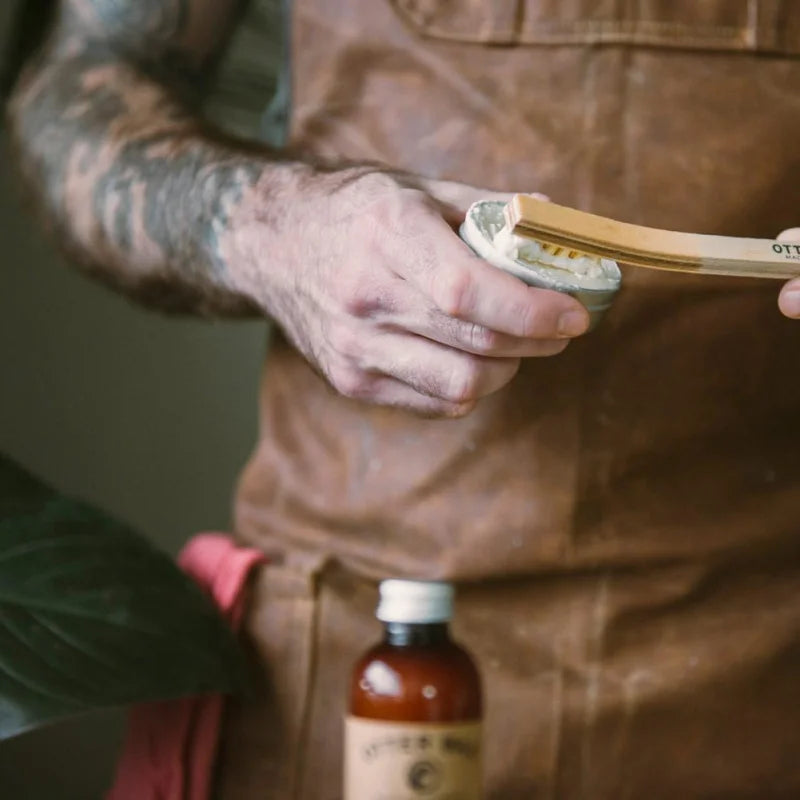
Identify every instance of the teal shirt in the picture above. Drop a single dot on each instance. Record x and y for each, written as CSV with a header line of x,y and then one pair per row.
x,y
251,95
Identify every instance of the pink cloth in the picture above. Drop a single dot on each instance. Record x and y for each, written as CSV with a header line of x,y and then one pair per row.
x,y
170,746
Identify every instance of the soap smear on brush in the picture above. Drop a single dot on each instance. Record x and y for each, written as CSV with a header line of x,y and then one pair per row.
x,y
521,248
486,230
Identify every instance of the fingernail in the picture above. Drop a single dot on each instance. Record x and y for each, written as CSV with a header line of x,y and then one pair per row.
x,y
573,323
790,303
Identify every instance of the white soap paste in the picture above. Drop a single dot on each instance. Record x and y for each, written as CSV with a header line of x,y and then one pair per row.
x,y
485,230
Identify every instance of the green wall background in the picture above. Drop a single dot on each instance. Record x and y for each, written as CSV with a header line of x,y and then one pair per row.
x,y
149,417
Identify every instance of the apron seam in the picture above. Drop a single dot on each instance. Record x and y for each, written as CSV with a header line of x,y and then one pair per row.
x,y
309,695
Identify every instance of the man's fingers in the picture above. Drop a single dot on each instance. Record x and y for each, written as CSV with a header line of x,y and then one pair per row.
x,y
790,235
474,338
399,307
388,391
468,288
425,324
435,370
789,300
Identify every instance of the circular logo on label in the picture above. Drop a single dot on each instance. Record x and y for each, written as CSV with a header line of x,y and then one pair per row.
x,y
425,777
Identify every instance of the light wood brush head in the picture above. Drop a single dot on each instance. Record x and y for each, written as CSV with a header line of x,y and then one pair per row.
x,y
567,231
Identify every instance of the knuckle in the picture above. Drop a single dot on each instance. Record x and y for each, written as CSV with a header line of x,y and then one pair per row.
x,y
345,341
361,299
381,213
463,383
481,339
352,383
537,315
439,409
528,317
460,410
454,292
416,207
392,207
377,184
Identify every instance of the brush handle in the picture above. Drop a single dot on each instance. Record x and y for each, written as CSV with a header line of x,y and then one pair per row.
x,y
651,247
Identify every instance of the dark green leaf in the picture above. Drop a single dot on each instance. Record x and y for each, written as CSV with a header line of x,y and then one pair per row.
x,y
91,615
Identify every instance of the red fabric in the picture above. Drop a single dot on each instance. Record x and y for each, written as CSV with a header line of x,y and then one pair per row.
x,y
170,746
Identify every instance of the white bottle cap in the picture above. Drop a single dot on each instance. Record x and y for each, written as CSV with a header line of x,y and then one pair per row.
x,y
415,602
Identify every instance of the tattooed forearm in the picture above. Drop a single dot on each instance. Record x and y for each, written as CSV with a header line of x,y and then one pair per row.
x,y
145,23
133,185
176,41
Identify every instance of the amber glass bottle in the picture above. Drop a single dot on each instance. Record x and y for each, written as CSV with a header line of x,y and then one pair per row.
x,y
413,731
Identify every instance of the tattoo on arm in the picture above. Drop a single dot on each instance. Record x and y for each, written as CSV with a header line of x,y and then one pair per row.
x,y
134,186
160,37
150,20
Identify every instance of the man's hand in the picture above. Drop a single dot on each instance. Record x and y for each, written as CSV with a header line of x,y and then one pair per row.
x,y
789,300
371,283
361,267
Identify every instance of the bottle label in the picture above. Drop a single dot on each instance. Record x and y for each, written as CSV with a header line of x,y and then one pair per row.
x,y
412,761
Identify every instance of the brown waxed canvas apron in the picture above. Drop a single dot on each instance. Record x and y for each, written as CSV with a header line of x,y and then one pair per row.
x,y
623,520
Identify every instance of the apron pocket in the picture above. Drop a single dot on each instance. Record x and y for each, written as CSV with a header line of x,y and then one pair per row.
x,y
265,734
766,26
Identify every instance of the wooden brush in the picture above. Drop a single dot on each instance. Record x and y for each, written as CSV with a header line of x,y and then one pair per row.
x,y
566,231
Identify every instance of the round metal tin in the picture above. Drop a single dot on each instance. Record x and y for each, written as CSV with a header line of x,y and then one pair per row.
x,y
486,217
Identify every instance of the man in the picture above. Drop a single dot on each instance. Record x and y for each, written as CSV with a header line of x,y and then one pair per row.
x,y
620,515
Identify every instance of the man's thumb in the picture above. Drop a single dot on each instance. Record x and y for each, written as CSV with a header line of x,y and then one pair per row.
x,y
455,198
789,300
790,235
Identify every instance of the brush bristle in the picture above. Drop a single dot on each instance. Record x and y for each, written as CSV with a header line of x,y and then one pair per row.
x,y
556,250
